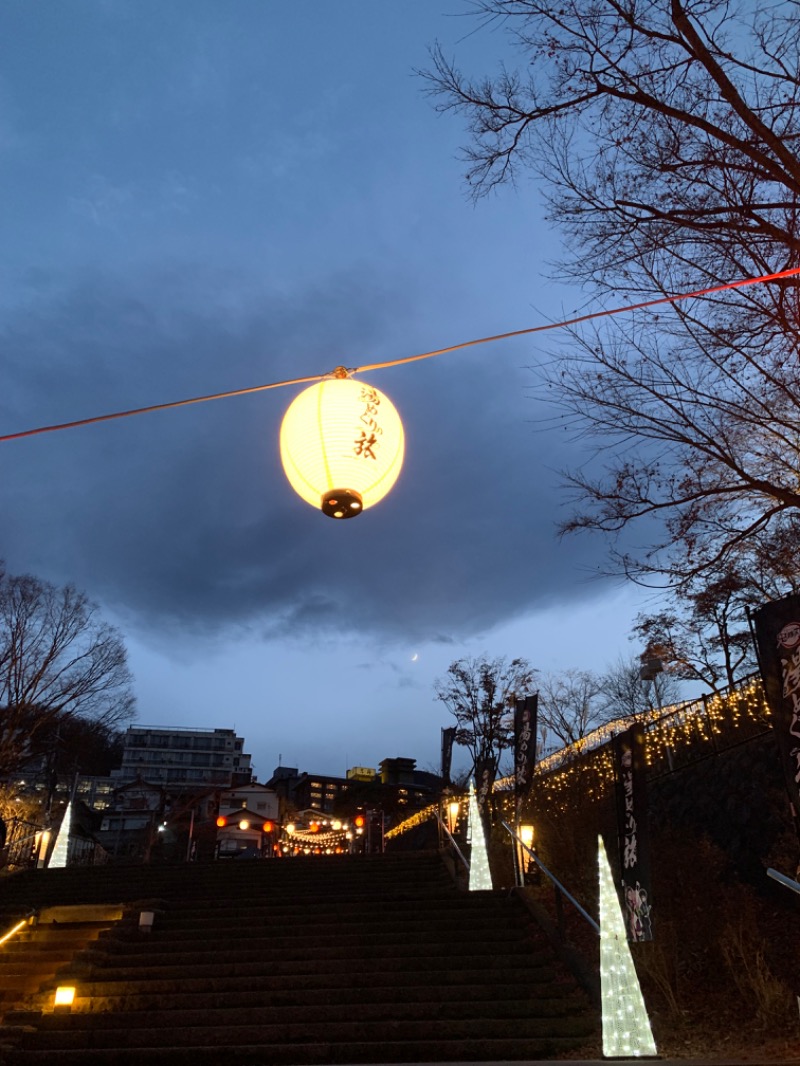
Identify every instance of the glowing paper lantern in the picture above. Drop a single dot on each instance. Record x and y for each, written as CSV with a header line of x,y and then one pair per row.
x,y
342,445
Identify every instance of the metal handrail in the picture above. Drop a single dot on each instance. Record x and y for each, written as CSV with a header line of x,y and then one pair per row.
x,y
18,926
456,848
783,879
553,878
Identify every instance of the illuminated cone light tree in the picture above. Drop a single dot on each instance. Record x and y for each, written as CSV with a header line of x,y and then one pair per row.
x,y
480,876
61,846
626,1026
342,445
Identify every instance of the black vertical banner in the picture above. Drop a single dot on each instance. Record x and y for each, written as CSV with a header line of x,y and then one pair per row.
x,y
448,736
634,845
777,627
485,771
525,715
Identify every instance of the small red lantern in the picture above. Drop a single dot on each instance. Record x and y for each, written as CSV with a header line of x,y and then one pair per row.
x,y
358,821
267,827
222,822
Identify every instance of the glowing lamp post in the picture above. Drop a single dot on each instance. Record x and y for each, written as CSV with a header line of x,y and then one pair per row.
x,y
524,861
342,445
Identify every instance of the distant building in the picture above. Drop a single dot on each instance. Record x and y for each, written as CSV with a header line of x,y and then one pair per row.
x,y
320,792
361,773
397,788
260,800
248,821
182,758
398,771
129,824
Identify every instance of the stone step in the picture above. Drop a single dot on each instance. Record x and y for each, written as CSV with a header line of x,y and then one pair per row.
x,y
170,926
335,1032
292,967
310,1013
357,894
312,1053
543,997
99,986
391,941
14,985
386,908
288,949
54,934
329,870
35,962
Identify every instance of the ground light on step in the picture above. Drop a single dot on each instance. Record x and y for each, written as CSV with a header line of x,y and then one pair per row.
x,y
626,1026
64,997
480,876
146,919
342,445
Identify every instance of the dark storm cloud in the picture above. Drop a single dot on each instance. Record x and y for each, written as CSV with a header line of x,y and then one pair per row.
x,y
183,519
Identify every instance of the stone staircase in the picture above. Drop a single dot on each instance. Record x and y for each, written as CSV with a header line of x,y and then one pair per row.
x,y
341,959
32,957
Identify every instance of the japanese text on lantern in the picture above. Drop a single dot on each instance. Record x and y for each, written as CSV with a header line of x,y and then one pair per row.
x,y
367,443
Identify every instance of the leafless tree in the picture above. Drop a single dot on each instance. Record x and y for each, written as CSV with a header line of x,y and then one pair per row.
x,y
667,134
569,704
702,634
624,693
705,637
58,661
480,693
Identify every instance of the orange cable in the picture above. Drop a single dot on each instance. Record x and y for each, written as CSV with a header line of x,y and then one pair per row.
x,y
410,358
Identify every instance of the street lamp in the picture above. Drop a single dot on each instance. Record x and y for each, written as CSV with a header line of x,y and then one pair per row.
x,y
525,834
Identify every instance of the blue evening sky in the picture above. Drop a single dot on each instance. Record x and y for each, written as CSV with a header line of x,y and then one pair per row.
x,y
199,197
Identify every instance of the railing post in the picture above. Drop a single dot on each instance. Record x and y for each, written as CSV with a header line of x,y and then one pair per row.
x,y
560,913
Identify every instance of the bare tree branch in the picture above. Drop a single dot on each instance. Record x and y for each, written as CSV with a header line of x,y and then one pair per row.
x,y
58,661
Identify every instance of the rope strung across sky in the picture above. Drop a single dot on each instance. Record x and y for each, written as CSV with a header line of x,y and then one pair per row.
x,y
593,315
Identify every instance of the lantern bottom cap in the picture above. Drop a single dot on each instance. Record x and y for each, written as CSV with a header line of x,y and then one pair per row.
x,y
342,503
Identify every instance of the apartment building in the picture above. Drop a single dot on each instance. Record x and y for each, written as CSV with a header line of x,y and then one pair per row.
x,y
177,757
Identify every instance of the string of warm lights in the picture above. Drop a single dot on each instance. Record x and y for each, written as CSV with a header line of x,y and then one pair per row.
x,y
668,732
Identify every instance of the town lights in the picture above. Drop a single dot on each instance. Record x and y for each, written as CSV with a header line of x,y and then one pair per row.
x,y
342,445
